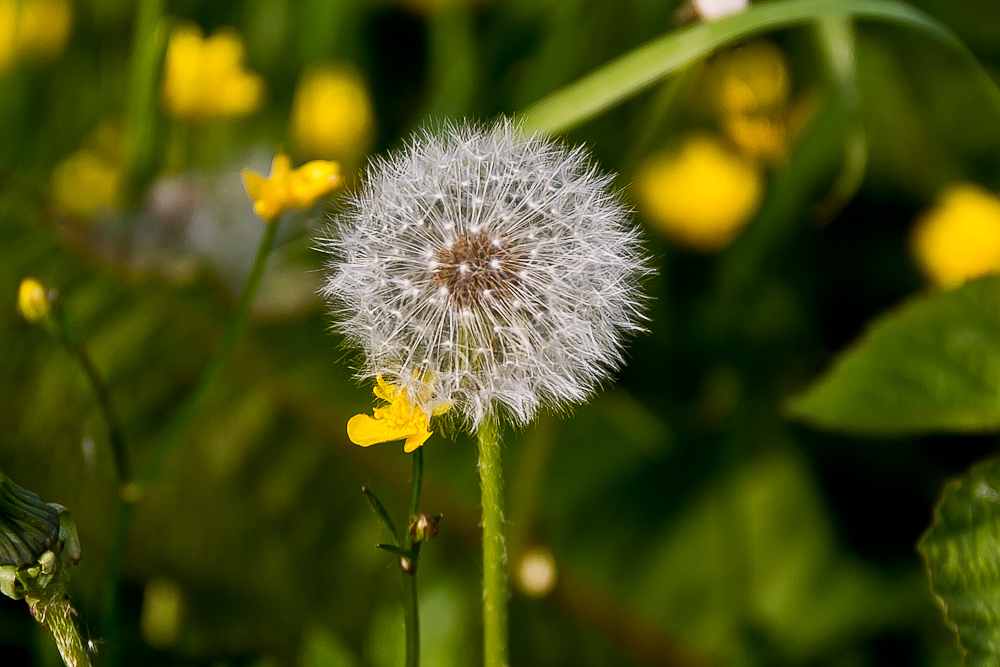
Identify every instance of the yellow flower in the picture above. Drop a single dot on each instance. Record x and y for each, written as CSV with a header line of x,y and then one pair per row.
x,y
699,196
332,114
87,182
287,188
205,78
752,92
32,301
43,28
959,238
397,421
37,29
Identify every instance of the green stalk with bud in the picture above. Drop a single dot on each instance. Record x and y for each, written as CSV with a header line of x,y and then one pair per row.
x,y
38,545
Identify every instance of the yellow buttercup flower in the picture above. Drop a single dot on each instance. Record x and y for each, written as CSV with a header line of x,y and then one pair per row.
x,y
959,238
33,29
332,114
32,301
43,28
752,98
206,78
397,421
286,188
701,195
87,182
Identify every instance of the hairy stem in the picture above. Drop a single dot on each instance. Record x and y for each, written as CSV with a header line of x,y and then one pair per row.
x,y
494,547
410,611
53,610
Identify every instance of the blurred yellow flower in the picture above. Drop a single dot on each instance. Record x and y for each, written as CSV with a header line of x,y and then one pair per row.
x,y
959,237
701,195
33,29
397,421
332,114
286,188
87,182
206,78
43,28
752,93
32,301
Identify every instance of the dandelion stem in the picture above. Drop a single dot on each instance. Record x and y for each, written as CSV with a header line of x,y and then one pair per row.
x,y
410,612
66,336
494,547
53,610
212,369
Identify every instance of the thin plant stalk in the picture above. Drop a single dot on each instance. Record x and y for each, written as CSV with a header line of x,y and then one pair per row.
x,y
410,611
211,371
134,490
494,546
67,338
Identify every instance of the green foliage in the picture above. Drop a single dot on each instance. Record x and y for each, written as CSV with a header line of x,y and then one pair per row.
x,y
961,550
932,364
644,66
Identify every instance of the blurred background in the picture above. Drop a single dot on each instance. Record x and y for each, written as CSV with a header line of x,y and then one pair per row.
x,y
677,519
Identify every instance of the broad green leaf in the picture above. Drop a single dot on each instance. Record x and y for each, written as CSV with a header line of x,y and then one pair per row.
x,y
932,364
647,64
962,553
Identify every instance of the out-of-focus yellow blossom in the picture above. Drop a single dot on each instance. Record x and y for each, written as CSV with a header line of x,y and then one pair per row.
x,y
752,94
286,188
959,237
332,114
32,301
33,29
397,421
206,78
43,28
86,182
701,195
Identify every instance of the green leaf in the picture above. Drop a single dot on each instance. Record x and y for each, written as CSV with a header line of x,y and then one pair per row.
x,y
932,364
961,551
647,64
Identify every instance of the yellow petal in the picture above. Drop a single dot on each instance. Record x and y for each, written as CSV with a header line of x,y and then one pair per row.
x,y
252,182
311,181
280,166
367,431
384,390
416,440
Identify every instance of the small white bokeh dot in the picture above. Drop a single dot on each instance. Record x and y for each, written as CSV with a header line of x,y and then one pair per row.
x,y
536,572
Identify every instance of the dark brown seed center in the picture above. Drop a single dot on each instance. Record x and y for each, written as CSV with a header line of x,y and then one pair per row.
x,y
476,269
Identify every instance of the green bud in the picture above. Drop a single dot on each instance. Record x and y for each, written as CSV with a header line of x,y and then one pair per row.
x,y
424,527
28,527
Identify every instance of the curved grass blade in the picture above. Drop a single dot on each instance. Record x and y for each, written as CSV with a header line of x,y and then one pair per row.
x,y
645,65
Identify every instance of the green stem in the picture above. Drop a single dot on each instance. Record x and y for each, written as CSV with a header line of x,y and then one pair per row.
x,y
68,339
135,490
410,611
53,610
111,626
494,547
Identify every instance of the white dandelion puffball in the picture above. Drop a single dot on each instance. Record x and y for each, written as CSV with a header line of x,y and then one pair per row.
x,y
479,268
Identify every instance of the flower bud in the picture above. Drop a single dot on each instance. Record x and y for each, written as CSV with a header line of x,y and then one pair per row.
x,y
32,301
28,527
424,527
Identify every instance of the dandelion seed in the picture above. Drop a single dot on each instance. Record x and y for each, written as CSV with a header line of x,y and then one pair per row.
x,y
507,305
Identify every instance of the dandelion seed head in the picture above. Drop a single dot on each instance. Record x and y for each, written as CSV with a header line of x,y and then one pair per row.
x,y
485,269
